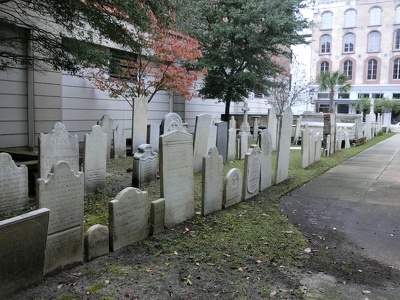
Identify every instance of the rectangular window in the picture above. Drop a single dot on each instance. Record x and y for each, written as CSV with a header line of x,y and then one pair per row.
x,y
344,96
343,108
377,96
396,96
323,96
122,65
324,108
363,96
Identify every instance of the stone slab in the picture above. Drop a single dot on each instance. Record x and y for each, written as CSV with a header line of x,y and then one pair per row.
x,y
222,139
119,142
233,186
265,145
252,167
107,125
283,157
96,242
157,216
145,164
171,122
201,133
231,151
212,137
139,122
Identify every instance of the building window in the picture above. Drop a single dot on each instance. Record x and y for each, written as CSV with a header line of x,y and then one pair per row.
x,y
375,16
343,108
344,96
374,40
323,96
348,69
372,69
397,21
324,67
325,44
323,108
348,43
363,96
326,22
350,18
396,96
122,65
396,69
397,40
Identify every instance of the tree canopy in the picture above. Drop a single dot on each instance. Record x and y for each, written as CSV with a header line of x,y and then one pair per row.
x,y
328,81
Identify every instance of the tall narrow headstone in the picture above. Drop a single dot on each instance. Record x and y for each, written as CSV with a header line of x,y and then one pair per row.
x,y
243,144
318,146
266,159
144,169
13,185
252,171
285,133
233,186
176,172
212,137
139,122
211,199
201,133
346,139
107,125
171,122
272,126
154,135
119,142
255,127
222,139
305,147
297,133
232,123
311,158
328,145
231,152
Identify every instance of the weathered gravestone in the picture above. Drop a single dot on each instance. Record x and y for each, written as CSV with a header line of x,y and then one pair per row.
x,y
153,135
318,146
22,248
157,216
231,152
272,126
95,160
171,122
222,139
62,192
211,199
255,127
245,126
232,188
144,169
346,139
305,147
96,242
243,142
58,145
252,170
201,133
128,216
232,123
119,142
265,145
139,122
285,134
311,153
13,185
107,125
176,172
297,133
212,137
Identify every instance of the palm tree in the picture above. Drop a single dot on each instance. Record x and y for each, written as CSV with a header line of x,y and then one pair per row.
x,y
328,80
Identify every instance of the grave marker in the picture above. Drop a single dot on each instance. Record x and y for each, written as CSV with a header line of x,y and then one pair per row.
x,y
157,216
252,170
139,122
231,152
201,133
243,141
107,125
222,139
119,142
144,169
265,144
282,165
212,182
212,137
96,242
305,147
171,122
232,188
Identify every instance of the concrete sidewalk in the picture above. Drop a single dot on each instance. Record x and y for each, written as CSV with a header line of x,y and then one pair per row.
x,y
359,199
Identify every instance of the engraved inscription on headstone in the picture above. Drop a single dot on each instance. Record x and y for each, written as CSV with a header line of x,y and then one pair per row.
x,y
96,242
144,166
171,122
252,168
232,188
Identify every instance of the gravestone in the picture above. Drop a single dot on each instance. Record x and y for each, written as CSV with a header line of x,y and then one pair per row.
x,y
339,138
157,216
119,142
272,126
201,133
368,127
128,217
96,242
285,134
171,122
265,145
231,151
252,170
346,139
13,185
211,199
62,192
243,142
144,169
107,125
153,135
305,147
311,158
233,186
222,139
95,160
255,127
58,145
328,145
139,122
232,123
297,133
245,126
176,173
212,137
22,251
318,146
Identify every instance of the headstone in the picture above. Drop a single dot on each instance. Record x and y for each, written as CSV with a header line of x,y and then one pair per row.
x,y
328,145
154,135
231,153
145,163
128,217
272,126
297,133
311,158
305,147
95,160
96,242
222,139
119,142
252,170
232,188
176,172
285,134
201,133
62,192
157,216
212,137
13,185
56,146
139,122
339,138
265,144
333,132
22,248
211,199
232,123
107,125
255,127
245,127
171,122
243,143
346,139
318,146
368,127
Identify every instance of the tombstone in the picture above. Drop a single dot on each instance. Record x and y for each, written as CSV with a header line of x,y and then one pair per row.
x,y
243,143
318,146
95,160
231,152
272,126
346,139
139,122
96,242
107,125
144,169
201,134
232,123
157,216
233,185
171,122
176,172
211,199
339,138
265,145
128,217
245,126
333,132
311,158
328,145
285,135
222,139
252,170
153,133
305,147
212,137
13,185
255,127
58,145
297,133
119,142
368,128
22,248
62,192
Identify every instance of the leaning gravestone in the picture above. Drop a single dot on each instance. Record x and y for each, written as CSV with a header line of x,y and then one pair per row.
x,y
222,139
266,159
139,122
232,188
119,142
145,163
272,126
201,133
95,160
96,242
13,185
171,122
176,172
107,125
58,145
128,217
282,165
62,192
252,170
211,199
22,248
231,152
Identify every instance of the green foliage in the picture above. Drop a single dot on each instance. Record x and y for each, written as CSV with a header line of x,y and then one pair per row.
x,y
362,105
328,80
386,105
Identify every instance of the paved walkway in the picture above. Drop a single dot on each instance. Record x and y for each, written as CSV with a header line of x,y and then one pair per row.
x,y
360,199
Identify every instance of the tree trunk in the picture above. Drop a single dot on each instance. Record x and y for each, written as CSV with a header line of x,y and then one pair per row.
x,y
227,109
332,102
